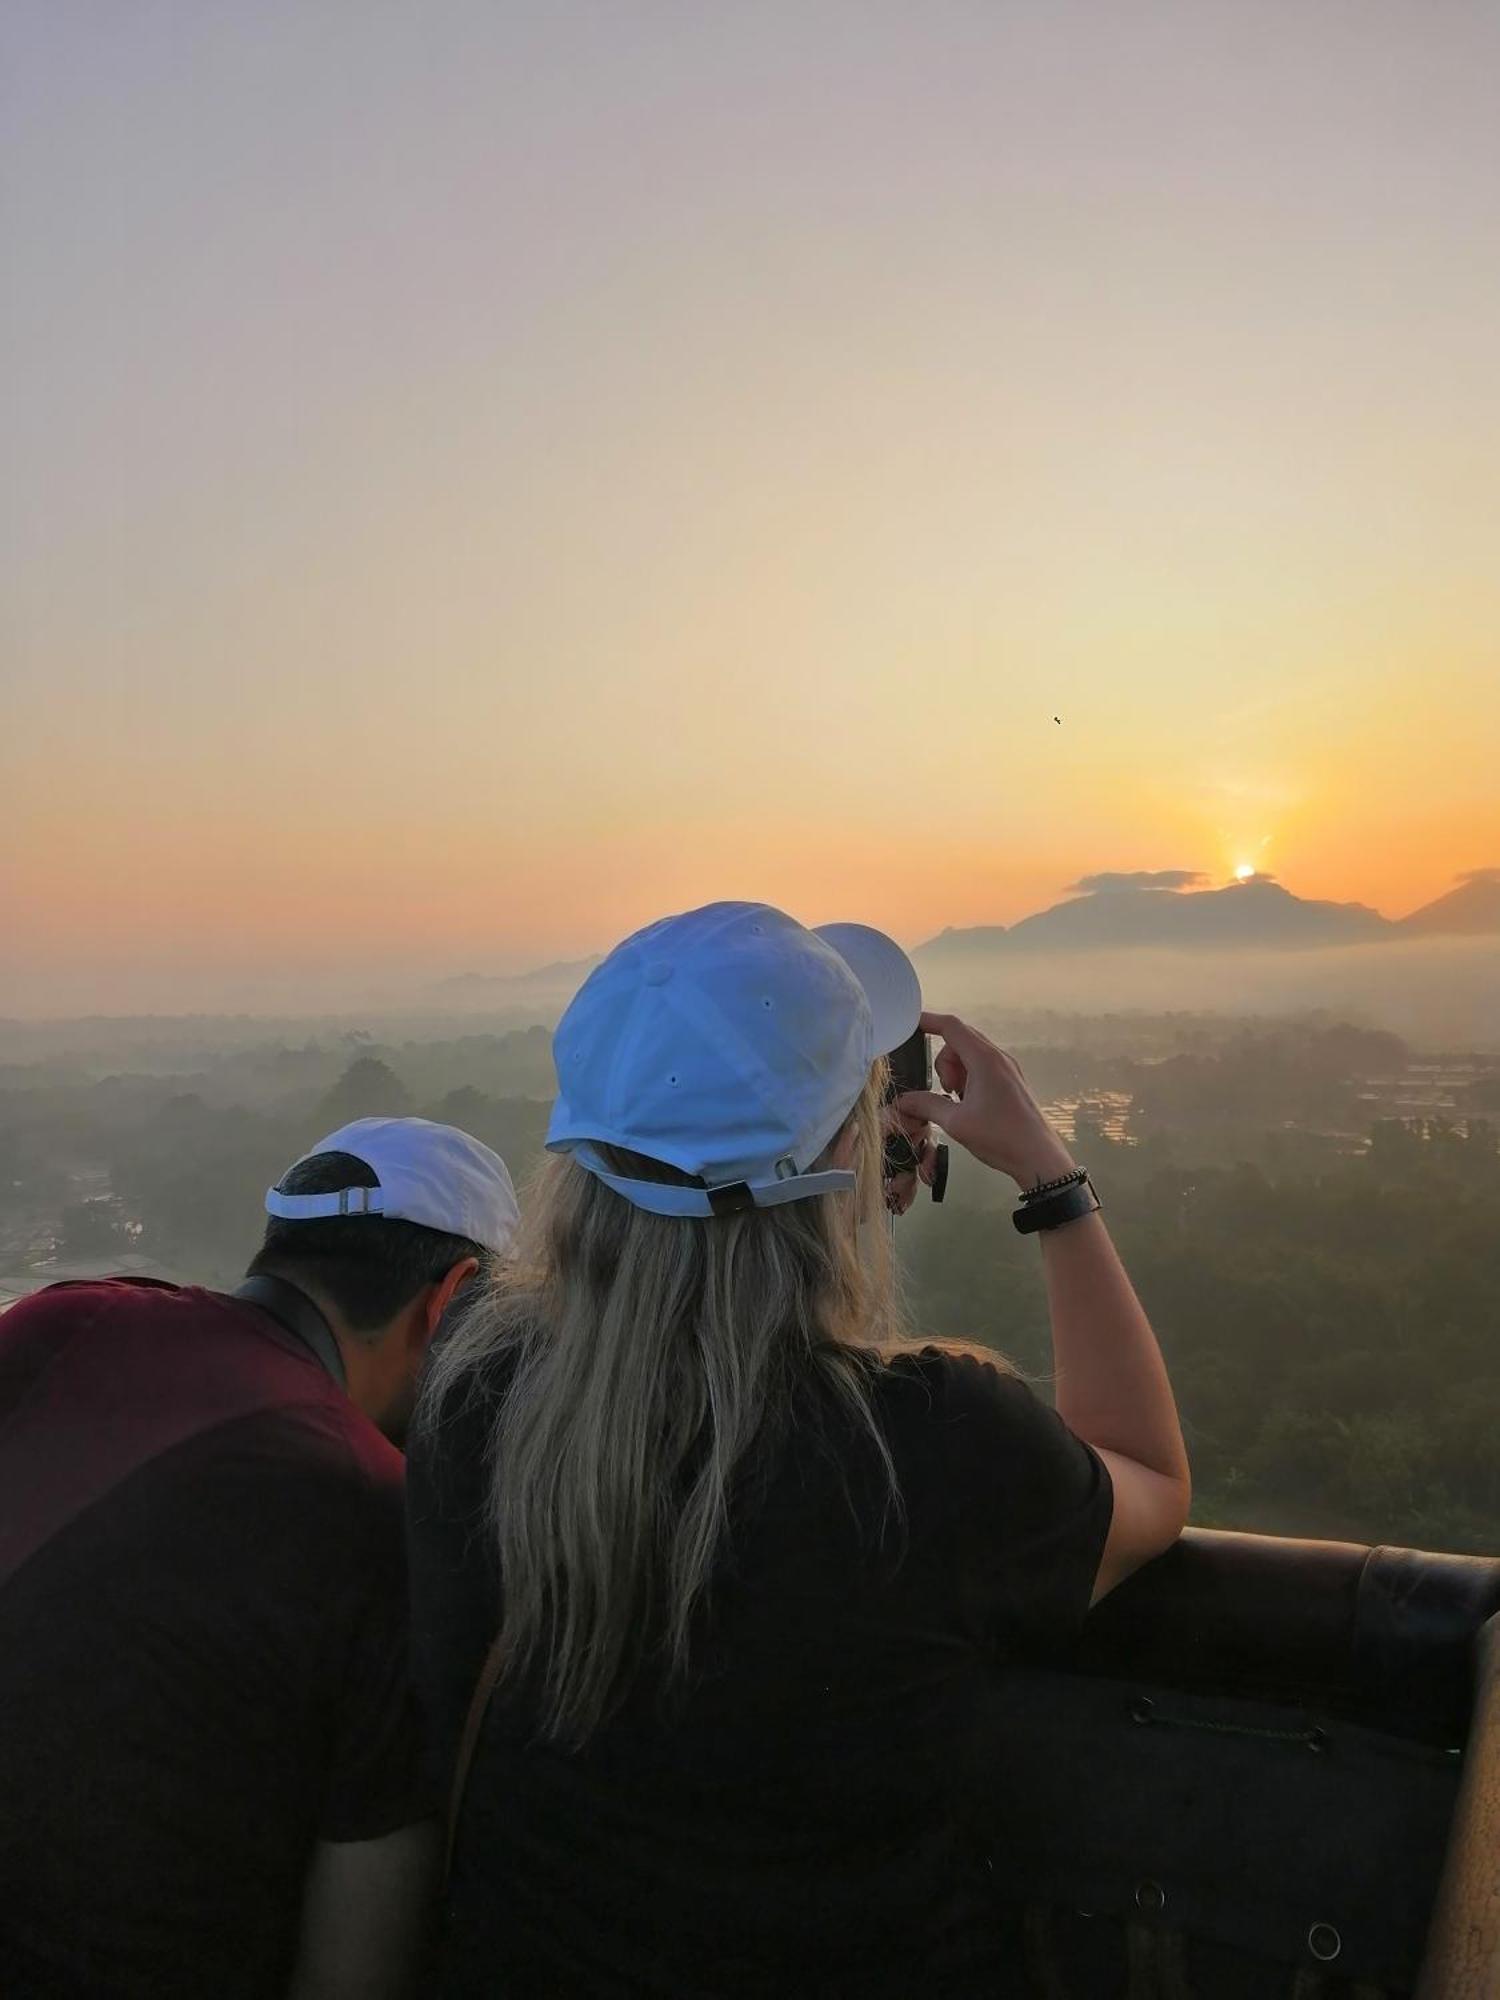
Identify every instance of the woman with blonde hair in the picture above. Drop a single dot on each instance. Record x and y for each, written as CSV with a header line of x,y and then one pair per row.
x,y
742,1568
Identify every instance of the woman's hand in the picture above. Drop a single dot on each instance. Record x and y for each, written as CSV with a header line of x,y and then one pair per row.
x,y
989,1110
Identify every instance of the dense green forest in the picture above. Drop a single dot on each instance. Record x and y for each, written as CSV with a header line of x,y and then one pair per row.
x,y
1325,1280
1331,1323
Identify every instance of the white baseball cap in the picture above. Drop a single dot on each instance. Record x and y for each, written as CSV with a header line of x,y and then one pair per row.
x,y
431,1174
730,1043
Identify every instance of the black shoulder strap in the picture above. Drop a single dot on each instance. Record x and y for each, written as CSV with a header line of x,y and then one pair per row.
x,y
295,1311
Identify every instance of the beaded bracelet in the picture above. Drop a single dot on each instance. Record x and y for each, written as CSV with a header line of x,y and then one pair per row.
x,y
1055,1187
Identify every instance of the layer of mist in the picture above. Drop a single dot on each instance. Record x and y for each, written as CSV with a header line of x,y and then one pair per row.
x,y
1442,993
1439,992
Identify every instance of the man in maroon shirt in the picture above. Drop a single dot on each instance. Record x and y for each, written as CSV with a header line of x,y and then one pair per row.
x,y
209,1778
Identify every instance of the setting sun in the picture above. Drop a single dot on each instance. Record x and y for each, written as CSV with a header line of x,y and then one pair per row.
x,y
1244,871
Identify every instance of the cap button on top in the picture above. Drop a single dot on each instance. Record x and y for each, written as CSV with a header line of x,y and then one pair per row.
x,y
658,971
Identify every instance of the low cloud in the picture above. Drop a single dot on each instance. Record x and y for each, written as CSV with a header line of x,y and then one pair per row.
x,y
1138,878
1479,875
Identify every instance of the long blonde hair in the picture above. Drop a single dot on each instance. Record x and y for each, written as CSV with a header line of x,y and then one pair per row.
x,y
646,1355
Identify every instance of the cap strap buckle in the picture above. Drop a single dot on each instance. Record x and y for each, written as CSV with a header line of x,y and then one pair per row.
x,y
733,1198
313,1207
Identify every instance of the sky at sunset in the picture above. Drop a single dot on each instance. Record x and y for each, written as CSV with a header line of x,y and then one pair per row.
x,y
478,476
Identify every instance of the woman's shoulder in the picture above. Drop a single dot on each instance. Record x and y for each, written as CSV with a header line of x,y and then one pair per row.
x,y
950,1380
965,1409
985,1434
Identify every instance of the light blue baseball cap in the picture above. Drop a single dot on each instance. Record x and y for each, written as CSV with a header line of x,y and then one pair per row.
x,y
731,1043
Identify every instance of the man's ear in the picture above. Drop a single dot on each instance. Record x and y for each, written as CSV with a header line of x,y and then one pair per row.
x,y
442,1296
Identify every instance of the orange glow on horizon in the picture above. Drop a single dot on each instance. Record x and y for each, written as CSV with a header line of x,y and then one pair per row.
x,y
441,901
415,577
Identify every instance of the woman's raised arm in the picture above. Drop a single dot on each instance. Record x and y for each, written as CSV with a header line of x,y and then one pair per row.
x,y
1112,1386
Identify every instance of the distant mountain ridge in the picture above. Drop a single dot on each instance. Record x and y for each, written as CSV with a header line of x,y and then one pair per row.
x,y
1470,910
980,937
1255,914
476,985
1129,913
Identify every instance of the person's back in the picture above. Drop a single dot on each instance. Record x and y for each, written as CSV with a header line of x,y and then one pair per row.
x,y
210,1768
752,1567
812,1810
171,1655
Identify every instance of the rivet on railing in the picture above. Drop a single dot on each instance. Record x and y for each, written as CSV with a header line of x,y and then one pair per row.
x,y
1324,1942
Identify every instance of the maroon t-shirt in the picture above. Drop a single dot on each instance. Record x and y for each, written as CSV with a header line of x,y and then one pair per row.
x,y
203,1640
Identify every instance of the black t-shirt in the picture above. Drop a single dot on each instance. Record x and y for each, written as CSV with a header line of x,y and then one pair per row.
x,y
809,1813
203,1641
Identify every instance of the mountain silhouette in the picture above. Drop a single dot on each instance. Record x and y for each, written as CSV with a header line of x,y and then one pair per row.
x,y
1255,913
481,985
1134,910
1470,910
982,937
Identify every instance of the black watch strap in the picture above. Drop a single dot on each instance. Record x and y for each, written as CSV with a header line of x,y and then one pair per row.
x,y
1051,1211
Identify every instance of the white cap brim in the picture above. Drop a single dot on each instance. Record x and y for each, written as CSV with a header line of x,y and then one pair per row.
x,y
887,975
430,1174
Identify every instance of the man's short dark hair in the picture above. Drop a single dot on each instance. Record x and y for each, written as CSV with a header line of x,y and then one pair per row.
x,y
367,1266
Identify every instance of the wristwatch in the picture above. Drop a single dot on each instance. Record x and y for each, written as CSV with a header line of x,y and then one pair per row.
x,y
1050,1206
